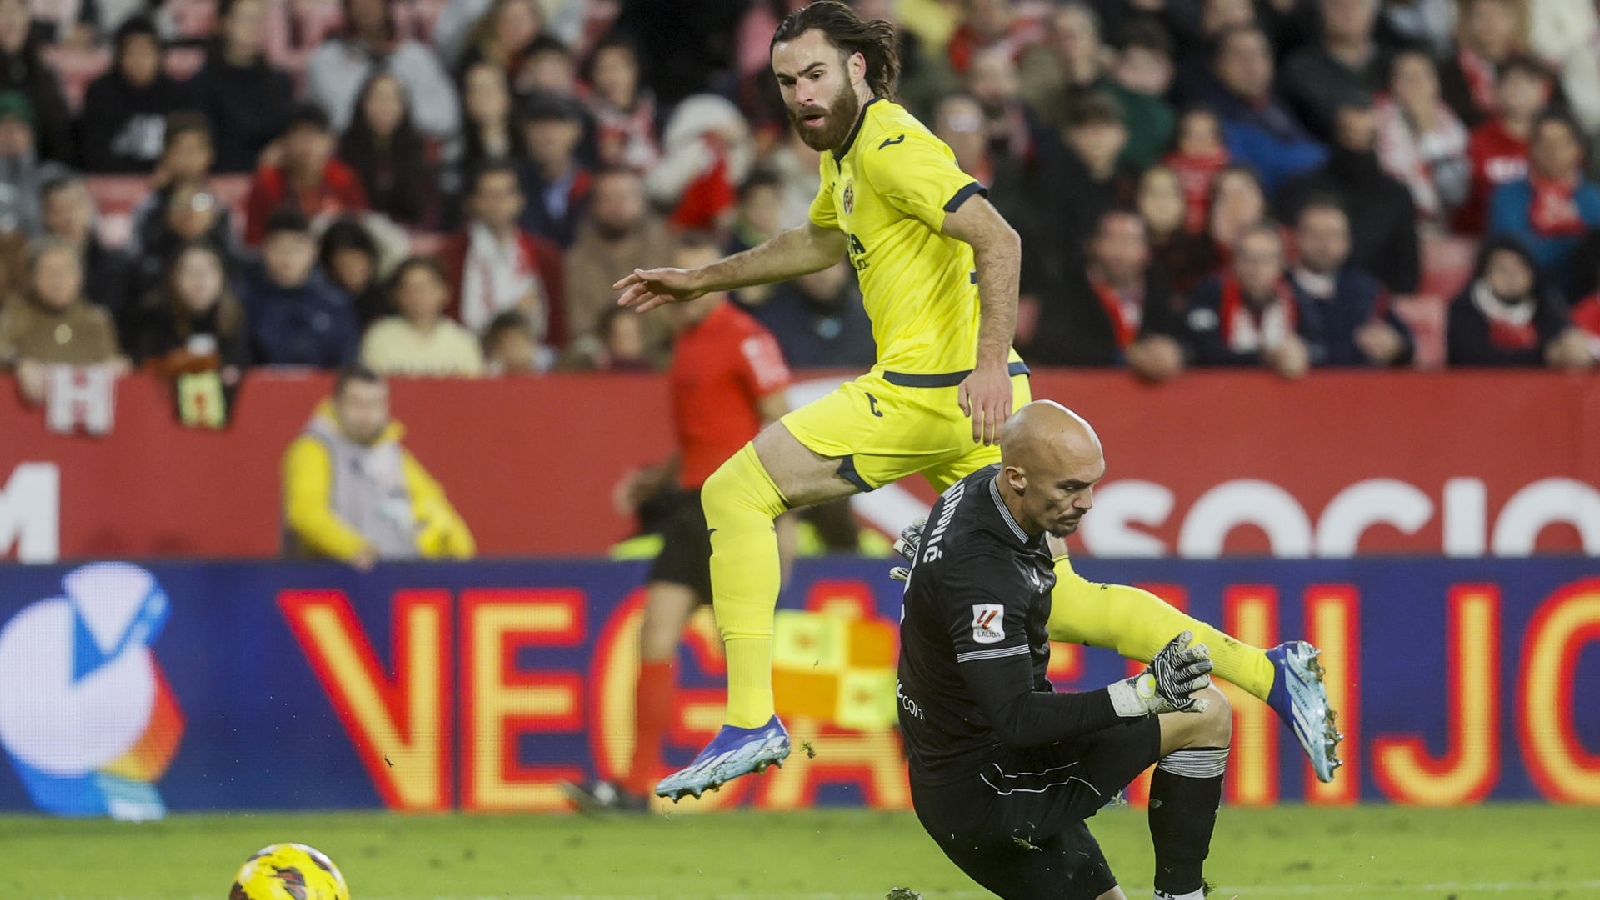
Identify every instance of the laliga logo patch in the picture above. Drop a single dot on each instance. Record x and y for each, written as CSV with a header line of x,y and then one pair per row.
x,y
86,715
988,623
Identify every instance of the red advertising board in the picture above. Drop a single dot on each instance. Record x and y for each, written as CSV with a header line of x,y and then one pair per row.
x,y
1467,464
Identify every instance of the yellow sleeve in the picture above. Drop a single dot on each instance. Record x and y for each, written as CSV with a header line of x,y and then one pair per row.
x,y
441,532
917,174
823,213
307,481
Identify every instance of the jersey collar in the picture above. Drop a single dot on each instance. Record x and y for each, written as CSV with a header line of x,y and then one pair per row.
x,y
844,149
1005,511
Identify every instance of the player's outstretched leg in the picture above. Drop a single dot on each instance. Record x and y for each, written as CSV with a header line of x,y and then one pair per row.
x,y
741,502
1137,623
1185,792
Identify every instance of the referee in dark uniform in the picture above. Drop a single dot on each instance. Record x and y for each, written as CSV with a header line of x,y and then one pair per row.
x,y
1004,770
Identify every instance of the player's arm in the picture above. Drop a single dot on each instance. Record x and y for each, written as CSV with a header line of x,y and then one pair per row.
x,y
801,250
997,257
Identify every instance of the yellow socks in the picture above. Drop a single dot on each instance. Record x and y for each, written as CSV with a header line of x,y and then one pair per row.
x,y
740,503
1137,623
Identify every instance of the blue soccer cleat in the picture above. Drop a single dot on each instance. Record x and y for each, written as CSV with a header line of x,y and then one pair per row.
x,y
1301,701
733,752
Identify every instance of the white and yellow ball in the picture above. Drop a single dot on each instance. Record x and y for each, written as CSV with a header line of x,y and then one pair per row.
x,y
289,872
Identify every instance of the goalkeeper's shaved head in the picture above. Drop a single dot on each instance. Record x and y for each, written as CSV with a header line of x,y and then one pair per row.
x,y
1050,460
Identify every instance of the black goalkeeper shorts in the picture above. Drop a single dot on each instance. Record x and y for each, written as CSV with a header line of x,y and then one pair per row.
x,y
1017,825
685,547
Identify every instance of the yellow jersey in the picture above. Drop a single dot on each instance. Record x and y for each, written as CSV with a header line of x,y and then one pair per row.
x,y
888,189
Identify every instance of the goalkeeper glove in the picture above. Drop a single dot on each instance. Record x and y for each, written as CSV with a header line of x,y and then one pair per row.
x,y
1177,671
907,545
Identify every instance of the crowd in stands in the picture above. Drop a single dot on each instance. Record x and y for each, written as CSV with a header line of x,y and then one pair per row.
x,y
450,187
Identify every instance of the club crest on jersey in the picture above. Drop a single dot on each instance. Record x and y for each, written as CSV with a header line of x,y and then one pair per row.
x,y
988,623
849,198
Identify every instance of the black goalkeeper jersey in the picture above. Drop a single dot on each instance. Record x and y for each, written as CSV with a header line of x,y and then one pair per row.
x,y
973,641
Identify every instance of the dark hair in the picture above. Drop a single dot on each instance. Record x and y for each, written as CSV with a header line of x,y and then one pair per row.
x,y
1119,210
846,31
1526,63
490,167
1230,169
1513,246
60,182
473,150
1147,33
546,43
182,122
353,373
508,322
1233,31
697,240
1320,200
308,115
1560,118
408,265
759,178
611,41
395,175
1094,108
346,234
287,218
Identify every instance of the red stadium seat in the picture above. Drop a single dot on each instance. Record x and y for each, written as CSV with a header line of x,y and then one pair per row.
x,y
1446,264
116,197
1425,315
76,67
427,243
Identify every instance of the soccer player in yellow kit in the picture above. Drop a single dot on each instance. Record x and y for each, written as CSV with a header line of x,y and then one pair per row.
x,y
938,269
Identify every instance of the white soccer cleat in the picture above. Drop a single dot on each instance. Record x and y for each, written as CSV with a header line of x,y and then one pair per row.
x,y
1300,699
732,753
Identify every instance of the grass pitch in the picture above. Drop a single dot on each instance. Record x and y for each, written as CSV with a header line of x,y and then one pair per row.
x,y
1508,852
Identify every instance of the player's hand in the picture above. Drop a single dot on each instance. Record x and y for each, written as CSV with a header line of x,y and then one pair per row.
x,y
645,289
1176,672
908,544
985,397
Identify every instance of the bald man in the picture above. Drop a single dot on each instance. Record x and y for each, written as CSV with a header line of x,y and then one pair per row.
x,y
1004,770
1137,623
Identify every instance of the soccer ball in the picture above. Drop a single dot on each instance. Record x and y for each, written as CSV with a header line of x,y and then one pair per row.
x,y
289,872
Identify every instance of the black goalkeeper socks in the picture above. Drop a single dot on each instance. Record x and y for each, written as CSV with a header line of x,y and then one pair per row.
x,y
1184,795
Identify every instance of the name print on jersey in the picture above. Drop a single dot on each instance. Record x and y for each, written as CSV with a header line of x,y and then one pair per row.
x,y
951,500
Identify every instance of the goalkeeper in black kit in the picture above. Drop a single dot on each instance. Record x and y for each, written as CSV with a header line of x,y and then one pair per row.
x,y
1005,771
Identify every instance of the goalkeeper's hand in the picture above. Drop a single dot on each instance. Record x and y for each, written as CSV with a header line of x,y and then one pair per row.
x,y
1176,672
907,545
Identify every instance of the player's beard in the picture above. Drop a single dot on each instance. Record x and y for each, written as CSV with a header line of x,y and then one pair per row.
x,y
836,123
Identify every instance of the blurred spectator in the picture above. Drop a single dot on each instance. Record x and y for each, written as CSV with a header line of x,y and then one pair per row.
x,y
1140,80
1345,65
1011,127
620,235
1566,35
51,322
337,69
819,321
759,216
1385,242
1550,209
624,113
349,258
1013,187
550,67
193,322
351,492
23,69
623,346
107,272
246,98
1507,317
510,347
420,339
990,24
388,154
1196,160
188,213
489,131
296,317
1093,178
1490,33
706,153
308,179
1247,316
188,150
1117,310
1420,141
495,266
1259,130
1186,255
1237,204
553,180
125,110
1070,58
1498,148
1196,75
505,36
1344,314
455,29
22,175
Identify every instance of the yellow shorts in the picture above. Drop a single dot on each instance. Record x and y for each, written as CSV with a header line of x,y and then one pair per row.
x,y
884,426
